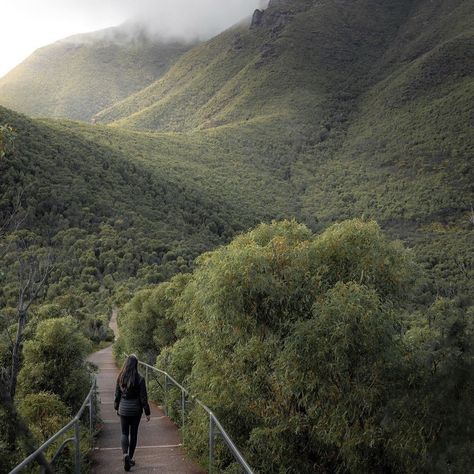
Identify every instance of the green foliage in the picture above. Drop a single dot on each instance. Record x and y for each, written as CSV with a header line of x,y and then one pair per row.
x,y
53,361
45,414
148,322
12,459
329,111
309,351
358,251
336,373
65,184
433,413
98,329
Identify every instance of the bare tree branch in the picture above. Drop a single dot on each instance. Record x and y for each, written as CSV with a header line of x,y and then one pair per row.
x,y
33,274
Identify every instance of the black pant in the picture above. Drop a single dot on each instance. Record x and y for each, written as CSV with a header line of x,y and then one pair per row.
x,y
129,429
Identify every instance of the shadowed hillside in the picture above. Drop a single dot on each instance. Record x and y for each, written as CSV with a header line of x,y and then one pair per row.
x,y
108,219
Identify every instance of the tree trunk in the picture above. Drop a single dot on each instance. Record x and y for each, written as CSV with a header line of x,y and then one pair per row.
x,y
22,313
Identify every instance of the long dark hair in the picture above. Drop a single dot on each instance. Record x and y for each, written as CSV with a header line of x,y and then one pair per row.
x,y
129,373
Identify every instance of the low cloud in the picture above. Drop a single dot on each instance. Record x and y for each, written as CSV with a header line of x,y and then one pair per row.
x,y
30,24
190,19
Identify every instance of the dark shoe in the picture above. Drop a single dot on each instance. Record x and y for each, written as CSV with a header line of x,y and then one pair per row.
x,y
132,462
126,462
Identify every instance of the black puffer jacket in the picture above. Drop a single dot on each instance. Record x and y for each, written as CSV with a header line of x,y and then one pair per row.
x,y
134,400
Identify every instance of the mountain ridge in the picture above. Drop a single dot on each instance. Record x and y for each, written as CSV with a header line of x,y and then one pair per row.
x,y
303,53
78,76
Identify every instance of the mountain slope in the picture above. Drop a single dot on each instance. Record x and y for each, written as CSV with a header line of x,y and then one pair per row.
x,y
360,108
285,67
81,75
302,55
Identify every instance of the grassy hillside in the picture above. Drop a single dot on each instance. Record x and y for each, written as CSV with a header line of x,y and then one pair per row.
x,y
79,76
284,68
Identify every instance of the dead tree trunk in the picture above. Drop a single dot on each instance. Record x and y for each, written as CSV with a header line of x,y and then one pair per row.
x,y
17,351
33,278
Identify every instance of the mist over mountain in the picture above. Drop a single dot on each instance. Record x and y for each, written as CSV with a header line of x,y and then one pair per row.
x,y
28,24
188,19
78,76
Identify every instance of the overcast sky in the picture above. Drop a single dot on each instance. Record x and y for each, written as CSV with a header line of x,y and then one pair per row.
x,y
29,24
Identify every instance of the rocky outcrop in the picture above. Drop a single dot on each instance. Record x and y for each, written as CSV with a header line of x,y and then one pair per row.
x,y
277,15
277,19
257,18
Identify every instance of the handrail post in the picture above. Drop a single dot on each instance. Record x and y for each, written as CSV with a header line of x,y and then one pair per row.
x,y
91,414
183,408
146,376
211,443
91,409
77,442
165,393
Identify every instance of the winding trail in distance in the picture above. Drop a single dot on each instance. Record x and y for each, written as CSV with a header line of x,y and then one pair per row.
x,y
159,446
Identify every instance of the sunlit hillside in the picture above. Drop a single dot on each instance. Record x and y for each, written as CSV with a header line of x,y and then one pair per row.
x,y
77,77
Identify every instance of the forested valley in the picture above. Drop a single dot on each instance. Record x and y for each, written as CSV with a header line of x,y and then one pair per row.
x,y
282,216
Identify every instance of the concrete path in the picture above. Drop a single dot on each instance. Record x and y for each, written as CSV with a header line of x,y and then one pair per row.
x,y
159,445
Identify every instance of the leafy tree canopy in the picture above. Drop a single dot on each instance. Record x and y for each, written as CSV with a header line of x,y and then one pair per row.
x,y
309,349
54,361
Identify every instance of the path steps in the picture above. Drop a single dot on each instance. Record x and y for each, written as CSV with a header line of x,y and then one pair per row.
x,y
159,446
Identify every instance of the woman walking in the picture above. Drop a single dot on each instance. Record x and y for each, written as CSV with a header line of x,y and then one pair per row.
x,y
131,400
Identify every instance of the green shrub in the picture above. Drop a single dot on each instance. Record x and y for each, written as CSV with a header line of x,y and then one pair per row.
x,y
54,362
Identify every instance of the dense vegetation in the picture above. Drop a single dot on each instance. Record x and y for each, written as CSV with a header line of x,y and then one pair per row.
x,y
313,351
79,76
354,109
351,353
99,225
107,218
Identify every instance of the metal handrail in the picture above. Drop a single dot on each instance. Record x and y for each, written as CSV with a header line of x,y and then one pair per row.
x,y
75,422
215,427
